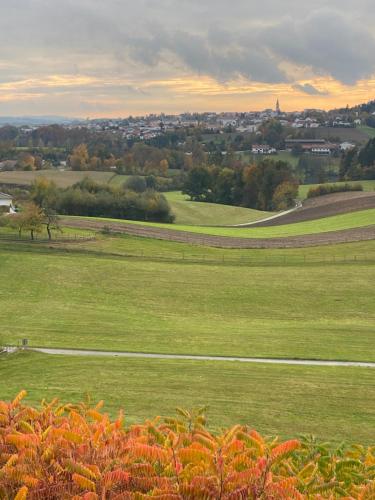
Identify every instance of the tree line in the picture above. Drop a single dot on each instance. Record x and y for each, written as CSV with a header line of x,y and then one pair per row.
x,y
268,185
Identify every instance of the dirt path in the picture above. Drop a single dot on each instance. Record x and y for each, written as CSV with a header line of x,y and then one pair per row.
x,y
272,217
309,240
304,362
322,206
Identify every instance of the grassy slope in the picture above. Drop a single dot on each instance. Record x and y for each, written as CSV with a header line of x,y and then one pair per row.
x,y
332,403
61,178
357,135
335,223
280,309
194,213
369,131
367,186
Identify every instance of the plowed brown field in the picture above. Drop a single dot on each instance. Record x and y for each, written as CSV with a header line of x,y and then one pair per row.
x,y
348,235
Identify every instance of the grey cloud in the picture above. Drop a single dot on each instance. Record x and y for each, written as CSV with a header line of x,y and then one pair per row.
x,y
328,41
217,55
149,39
309,89
216,38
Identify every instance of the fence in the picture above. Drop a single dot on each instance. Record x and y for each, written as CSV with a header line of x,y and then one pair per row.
x,y
259,259
248,257
58,239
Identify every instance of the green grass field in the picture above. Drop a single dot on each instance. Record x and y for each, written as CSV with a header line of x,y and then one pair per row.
x,y
136,294
358,135
332,403
361,218
92,299
209,214
367,186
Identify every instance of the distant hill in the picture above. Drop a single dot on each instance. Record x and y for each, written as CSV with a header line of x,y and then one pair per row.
x,y
36,120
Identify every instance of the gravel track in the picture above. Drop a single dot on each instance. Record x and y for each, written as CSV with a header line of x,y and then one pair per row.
x,y
277,361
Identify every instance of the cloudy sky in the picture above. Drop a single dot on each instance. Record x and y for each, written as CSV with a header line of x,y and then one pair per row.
x,y
120,57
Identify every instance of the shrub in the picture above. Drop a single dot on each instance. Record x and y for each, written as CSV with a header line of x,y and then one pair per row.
x,y
93,199
136,184
76,451
323,189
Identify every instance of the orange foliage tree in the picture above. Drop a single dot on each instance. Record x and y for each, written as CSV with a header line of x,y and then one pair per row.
x,y
76,451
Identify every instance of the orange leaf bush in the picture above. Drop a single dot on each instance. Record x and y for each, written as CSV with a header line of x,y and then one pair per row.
x,y
78,452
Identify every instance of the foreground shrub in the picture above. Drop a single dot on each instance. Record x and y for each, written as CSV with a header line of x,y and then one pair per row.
x,y
76,451
93,199
323,189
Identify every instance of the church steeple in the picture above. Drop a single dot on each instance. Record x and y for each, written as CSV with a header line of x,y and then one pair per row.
x,y
278,110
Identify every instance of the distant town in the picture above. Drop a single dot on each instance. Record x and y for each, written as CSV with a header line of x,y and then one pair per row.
x,y
145,128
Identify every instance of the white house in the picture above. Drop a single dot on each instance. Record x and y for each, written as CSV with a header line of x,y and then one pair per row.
x,y
346,146
321,150
263,149
6,201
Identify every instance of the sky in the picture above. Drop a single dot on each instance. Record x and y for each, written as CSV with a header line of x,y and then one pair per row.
x,y
112,58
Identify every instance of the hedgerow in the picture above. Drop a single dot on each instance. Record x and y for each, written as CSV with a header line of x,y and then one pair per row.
x,y
76,451
323,189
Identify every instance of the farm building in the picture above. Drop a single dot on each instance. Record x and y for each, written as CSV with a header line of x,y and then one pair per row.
x,y
6,201
262,149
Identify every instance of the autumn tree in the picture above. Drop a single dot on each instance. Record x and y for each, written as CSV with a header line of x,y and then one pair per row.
x,y
163,167
26,161
33,217
285,196
79,159
43,192
30,219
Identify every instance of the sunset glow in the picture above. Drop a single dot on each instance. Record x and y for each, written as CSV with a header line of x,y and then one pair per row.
x,y
89,58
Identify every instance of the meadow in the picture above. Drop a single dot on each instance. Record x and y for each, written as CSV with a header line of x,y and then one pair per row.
x,y
332,403
88,295
208,214
122,293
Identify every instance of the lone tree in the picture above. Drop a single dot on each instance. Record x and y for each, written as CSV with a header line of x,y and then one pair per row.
x,y
51,221
30,219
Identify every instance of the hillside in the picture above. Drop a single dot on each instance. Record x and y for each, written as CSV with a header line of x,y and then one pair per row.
x,y
254,237
210,214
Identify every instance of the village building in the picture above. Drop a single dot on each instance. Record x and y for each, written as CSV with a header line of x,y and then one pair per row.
x,y
263,149
6,203
347,146
312,146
